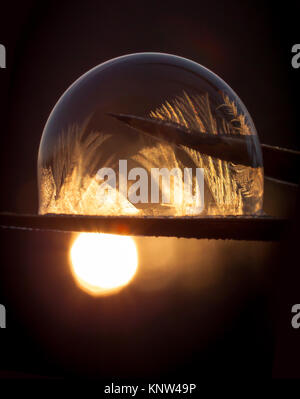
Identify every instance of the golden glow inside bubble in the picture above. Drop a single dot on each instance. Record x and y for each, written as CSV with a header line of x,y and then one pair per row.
x,y
103,263
81,139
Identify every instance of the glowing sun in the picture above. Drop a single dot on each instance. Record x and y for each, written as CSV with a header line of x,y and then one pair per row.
x,y
103,263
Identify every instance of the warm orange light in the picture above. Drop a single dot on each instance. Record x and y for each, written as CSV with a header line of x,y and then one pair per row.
x,y
103,263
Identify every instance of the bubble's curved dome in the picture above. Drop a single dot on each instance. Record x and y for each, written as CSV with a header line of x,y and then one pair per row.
x,y
92,162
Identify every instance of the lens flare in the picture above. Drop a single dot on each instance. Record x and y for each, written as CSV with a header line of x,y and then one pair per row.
x,y
102,264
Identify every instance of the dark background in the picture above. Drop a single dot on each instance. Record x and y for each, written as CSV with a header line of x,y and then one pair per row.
x,y
49,45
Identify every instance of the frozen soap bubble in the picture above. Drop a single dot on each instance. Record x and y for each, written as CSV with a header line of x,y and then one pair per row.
x,y
93,160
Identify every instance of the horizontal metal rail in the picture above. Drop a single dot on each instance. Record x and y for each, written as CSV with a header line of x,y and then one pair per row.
x,y
254,228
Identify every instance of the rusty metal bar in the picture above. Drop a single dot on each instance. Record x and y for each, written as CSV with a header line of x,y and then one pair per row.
x,y
227,147
254,228
280,164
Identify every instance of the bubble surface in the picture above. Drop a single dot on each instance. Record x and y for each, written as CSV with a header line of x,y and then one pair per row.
x,y
92,163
